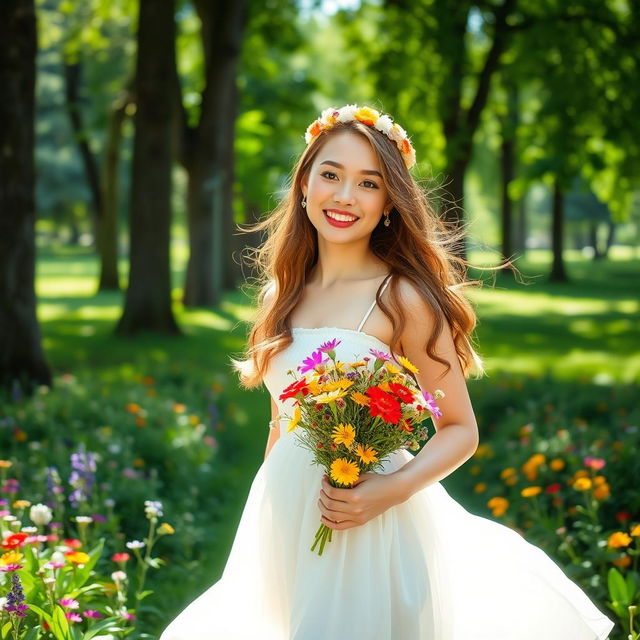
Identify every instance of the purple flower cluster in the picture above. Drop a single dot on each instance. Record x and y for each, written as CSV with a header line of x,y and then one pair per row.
x,y
314,360
15,598
54,482
83,475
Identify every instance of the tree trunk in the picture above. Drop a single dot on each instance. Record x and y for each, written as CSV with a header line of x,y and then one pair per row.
x,y
148,297
611,232
72,74
558,271
107,238
508,160
521,227
22,361
210,167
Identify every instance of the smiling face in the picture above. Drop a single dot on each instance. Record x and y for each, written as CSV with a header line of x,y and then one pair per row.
x,y
346,196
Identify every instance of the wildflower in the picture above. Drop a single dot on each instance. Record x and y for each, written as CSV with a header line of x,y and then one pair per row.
x,y
6,464
342,383
120,557
622,562
366,454
344,472
84,520
295,420
360,398
118,576
21,504
15,598
619,539
178,407
602,491
135,544
593,463
313,361
381,355
15,541
430,401
40,514
384,405
529,492
166,529
483,451
402,392
325,398
72,616
69,603
408,365
635,530
481,487
82,479
77,557
557,464
11,557
72,543
92,613
132,407
582,484
553,488
498,506
10,567
330,345
344,434
392,369
152,509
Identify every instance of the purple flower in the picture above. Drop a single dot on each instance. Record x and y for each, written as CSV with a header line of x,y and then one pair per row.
x,y
73,616
312,361
15,598
430,401
11,567
83,475
98,517
328,346
69,603
381,355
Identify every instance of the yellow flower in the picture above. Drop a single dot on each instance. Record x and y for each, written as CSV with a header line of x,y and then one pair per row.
x,y
178,407
537,459
619,539
602,491
506,473
582,484
391,368
529,492
166,529
360,398
344,472
360,363
11,557
498,505
385,386
366,454
483,451
293,423
481,487
407,365
21,504
367,115
5,464
344,434
343,383
325,398
581,473
315,388
338,366
78,557
557,464
635,531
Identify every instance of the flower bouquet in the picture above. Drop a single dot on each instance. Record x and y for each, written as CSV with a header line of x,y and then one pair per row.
x,y
352,416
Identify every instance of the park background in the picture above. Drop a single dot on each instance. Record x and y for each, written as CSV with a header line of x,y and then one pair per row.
x,y
137,136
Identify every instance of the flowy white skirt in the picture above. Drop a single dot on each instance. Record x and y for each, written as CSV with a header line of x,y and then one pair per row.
x,y
426,569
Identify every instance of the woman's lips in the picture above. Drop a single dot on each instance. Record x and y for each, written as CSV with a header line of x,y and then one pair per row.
x,y
339,223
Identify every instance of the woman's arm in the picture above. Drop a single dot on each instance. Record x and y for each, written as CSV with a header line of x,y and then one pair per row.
x,y
274,433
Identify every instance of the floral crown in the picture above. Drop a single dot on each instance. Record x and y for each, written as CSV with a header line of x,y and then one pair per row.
x,y
372,118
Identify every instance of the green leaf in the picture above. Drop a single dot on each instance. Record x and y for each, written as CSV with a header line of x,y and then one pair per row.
x,y
617,587
60,625
82,575
41,612
6,629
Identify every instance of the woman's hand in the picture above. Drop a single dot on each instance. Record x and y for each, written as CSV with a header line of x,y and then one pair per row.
x,y
371,495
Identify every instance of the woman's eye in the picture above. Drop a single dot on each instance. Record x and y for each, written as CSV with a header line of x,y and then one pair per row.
x,y
330,175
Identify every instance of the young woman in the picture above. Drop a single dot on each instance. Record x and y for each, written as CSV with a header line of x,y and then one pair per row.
x,y
355,252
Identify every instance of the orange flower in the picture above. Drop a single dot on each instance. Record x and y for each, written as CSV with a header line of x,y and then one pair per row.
x,y
619,539
5,464
623,561
360,398
582,484
498,506
481,487
529,492
77,557
635,530
557,464
602,491
132,407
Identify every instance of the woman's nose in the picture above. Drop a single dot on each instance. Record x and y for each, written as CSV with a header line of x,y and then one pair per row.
x,y
344,193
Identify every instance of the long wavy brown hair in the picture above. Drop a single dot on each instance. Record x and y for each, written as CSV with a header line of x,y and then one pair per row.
x,y
417,245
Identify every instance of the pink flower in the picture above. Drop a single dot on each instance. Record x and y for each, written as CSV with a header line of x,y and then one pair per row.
x,y
91,613
314,360
11,567
331,344
381,355
593,463
72,616
69,603
430,401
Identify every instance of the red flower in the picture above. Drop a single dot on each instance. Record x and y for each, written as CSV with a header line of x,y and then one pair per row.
x,y
384,405
120,557
401,392
15,540
294,389
623,516
74,543
554,488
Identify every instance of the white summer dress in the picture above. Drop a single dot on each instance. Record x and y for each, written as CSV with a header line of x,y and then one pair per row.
x,y
426,569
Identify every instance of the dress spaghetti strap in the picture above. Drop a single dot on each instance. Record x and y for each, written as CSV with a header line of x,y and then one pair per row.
x,y
373,304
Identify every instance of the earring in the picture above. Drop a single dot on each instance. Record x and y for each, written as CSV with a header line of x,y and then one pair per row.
x,y
387,222
304,202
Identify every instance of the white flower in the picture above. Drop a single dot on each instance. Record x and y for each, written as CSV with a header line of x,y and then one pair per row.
x,y
40,514
135,544
9,518
84,519
118,576
396,132
384,124
29,530
57,556
348,113
152,509
326,117
3,601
